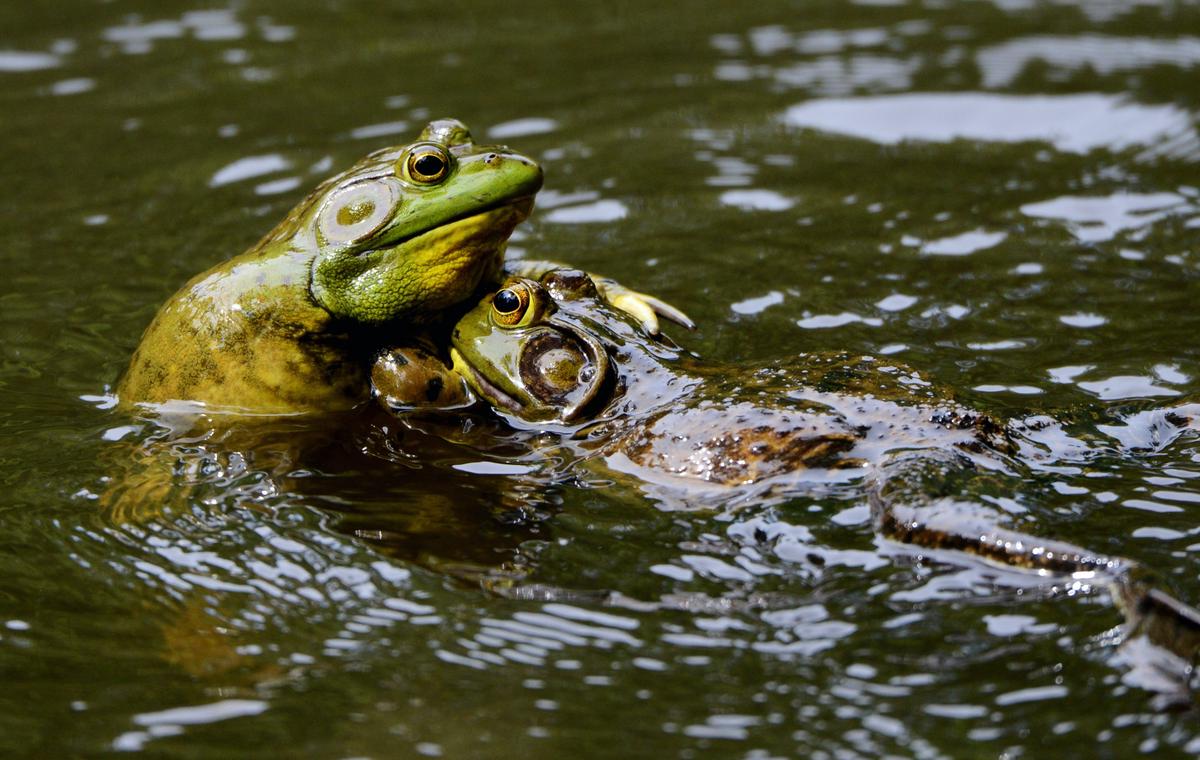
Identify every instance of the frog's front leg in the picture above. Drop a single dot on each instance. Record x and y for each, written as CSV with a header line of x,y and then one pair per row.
x,y
643,307
414,377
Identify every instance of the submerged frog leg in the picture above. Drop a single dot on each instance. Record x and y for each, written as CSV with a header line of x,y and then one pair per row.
x,y
910,506
144,483
917,498
200,639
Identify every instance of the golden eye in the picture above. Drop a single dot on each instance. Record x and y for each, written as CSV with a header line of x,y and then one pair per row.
x,y
428,164
509,305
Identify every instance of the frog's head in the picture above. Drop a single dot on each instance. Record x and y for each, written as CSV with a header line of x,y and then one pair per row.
x,y
540,349
412,230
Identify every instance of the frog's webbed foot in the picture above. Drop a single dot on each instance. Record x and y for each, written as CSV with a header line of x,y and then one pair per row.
x,y
1163,619
414,377
645,308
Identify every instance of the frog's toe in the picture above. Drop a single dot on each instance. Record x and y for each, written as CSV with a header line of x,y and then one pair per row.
x,y
635,305
667,311
407,378
643,307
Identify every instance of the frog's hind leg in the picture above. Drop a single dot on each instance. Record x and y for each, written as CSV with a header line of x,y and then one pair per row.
x,y
923,499
143,484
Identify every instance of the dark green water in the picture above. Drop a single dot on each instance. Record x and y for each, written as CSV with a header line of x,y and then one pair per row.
x,y
1002,194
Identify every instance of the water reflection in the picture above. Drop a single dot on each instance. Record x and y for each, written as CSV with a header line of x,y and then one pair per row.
x,y
1002,64
963,244
1095,10
756,200
605,210
74,86
249,168
1096,219
137,37
18,60
171,722
522,127
382,129
1072,123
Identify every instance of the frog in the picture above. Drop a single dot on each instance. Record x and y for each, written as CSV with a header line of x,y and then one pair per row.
x,y
548,356
392,243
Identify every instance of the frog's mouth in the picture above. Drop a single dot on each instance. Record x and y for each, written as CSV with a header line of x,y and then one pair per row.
x,y
495,221
482,386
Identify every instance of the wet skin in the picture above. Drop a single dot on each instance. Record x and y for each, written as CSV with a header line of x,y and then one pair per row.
x,y
550,356
393,241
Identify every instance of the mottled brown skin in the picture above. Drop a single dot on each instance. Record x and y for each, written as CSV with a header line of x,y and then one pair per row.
x,y
762,443
652,412
739,427
406,378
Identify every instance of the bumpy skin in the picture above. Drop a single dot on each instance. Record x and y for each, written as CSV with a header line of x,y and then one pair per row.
x,y
551,355
655,410
389,242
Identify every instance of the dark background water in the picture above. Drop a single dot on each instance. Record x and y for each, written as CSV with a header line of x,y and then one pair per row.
x,y
1003,194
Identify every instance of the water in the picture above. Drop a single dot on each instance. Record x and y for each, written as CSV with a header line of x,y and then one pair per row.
x,y
1002,194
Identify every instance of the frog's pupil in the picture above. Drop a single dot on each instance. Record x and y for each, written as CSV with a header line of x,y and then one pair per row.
x,y
429,165
506,302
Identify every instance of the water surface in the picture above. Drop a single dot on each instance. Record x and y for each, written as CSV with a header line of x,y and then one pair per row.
x,y
1002,194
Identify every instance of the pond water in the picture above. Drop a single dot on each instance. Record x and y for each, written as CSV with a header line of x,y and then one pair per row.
x,y
1002,194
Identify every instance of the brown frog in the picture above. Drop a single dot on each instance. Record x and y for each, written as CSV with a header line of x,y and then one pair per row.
x,y
551,357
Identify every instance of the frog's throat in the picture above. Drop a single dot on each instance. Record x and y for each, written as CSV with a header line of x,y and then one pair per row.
x,y
416,278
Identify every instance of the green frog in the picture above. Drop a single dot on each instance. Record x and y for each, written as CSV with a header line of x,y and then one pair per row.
x,y
552,358
388,245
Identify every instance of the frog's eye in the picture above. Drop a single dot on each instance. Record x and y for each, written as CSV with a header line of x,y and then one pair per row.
x,y
427,164
510,305
356,212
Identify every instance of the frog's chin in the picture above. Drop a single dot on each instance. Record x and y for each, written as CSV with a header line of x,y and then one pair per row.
x,y
482,386
467,250
497,221
417,278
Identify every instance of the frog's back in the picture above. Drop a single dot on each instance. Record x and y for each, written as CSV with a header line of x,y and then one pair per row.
x,y
245,336
828,411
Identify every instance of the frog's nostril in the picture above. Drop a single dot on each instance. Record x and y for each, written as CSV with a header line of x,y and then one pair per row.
x,y
491,158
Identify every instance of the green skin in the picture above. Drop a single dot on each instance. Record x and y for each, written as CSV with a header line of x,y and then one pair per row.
x,y
285,327
565,361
